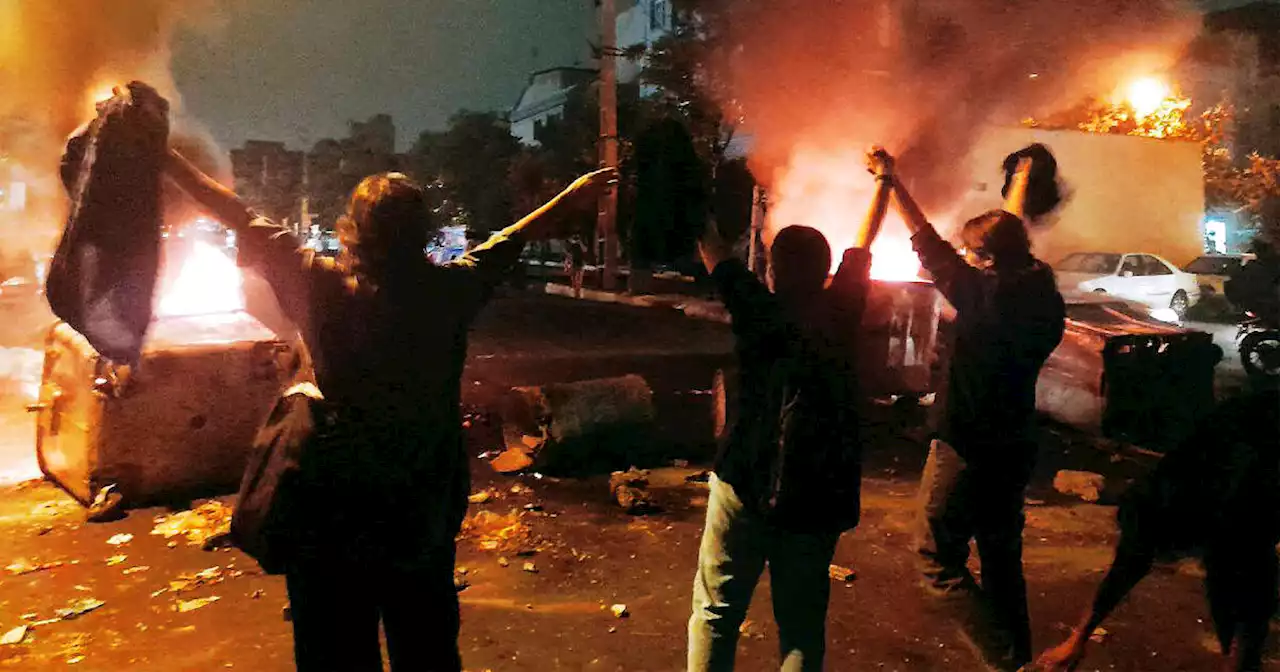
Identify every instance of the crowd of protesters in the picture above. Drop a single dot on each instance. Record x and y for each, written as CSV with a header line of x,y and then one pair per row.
x,y
786,482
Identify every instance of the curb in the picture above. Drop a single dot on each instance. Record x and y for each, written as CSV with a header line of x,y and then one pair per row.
x,y
711,311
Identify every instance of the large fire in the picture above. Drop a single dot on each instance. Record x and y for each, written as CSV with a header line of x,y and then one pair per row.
x,y
831,191
206,281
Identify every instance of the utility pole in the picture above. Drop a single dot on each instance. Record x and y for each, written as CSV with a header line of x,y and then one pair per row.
x,y
607,216
756,255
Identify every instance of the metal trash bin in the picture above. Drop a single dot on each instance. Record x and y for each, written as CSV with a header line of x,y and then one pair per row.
x,y
180,424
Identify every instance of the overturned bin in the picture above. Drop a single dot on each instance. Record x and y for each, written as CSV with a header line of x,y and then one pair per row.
x,y
181,423
1126,376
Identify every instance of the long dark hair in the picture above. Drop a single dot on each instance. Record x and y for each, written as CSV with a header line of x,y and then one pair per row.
x,y
386,228
1001,236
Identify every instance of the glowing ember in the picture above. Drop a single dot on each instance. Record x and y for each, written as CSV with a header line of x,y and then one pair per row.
x,y
831,191
206,282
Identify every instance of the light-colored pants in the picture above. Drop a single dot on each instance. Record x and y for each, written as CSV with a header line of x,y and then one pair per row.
x,y
736,545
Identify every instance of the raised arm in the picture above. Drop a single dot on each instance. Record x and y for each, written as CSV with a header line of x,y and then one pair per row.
x,y
881,165
271,250
951,274
852,280
1016,201
493,258
752,307
222,203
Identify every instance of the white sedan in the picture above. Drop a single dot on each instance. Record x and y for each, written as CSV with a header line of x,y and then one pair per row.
x,y
1144,278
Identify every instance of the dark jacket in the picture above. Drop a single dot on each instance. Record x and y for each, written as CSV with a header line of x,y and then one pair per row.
x,y
793,454
391,475
1007,324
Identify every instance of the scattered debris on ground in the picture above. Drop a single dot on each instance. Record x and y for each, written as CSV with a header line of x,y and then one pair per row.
x,y
620,611
24,566
117,560
1100,635
483,496
183,606
207,526
15,636
204,577
1083,484
494,531
77,608
703,476
530,568
631,490
120,539
842,574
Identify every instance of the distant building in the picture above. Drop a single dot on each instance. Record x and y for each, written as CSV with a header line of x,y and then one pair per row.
x,y
311,189
269,177
544,97
640,23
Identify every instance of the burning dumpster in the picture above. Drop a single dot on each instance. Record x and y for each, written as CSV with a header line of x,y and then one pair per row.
x,y
179,423
900,351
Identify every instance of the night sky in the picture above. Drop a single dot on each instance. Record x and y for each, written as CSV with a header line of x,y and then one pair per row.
x,y
298,70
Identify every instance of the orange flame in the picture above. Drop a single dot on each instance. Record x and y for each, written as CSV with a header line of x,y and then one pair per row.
x,y
831,191
207,282
99,93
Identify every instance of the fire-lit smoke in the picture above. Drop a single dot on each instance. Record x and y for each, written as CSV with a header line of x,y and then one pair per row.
x,y
56,60
817,81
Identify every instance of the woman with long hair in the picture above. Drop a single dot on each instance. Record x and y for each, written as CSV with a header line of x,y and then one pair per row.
x,y
386,330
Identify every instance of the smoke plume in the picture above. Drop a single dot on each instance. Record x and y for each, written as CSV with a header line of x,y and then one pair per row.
x,y
56,59
816,81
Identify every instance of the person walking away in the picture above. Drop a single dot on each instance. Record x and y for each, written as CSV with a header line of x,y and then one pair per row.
x,y
575,260
386,488
786,483
1216,495
1009,319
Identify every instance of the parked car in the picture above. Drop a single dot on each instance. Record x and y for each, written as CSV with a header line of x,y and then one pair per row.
x,y
1144,278
1212,271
